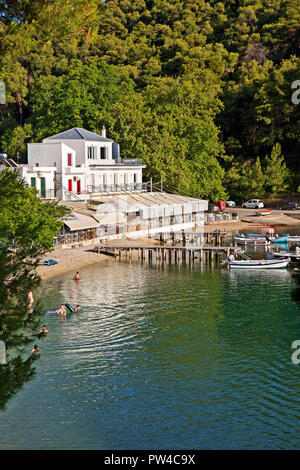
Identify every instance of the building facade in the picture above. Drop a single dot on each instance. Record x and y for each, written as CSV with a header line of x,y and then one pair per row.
x,y
79,164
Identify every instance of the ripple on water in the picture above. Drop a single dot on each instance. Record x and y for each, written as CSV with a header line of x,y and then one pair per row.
x,y
163,358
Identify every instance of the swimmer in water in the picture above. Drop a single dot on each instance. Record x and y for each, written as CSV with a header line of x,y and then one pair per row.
x,y
44,330
76,308
76,277
35,349
61,312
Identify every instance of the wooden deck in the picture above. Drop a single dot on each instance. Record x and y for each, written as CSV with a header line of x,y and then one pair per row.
x,y
168,254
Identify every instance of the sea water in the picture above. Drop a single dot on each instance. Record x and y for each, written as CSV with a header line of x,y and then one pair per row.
x,y
163,357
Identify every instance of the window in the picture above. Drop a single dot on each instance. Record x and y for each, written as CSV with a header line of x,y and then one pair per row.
x,y
103,153
69,159
33,182
92,153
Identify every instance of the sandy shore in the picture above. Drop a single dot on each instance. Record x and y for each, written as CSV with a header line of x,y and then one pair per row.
x,y
247,218
75,258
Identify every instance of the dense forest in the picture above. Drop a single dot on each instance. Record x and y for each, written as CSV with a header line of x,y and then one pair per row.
x,y
200,90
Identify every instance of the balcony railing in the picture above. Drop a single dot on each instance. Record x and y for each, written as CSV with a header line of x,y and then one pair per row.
x,y
131,161
117,188
46,194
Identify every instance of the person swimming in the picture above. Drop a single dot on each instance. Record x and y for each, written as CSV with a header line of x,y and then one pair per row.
x,y
76,276
35,349
44,329
61,312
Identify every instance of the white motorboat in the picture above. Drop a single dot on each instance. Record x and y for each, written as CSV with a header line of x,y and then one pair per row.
x,y
259,264
255,241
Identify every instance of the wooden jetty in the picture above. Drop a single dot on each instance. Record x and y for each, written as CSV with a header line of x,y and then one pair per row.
x,y
217,237
168,254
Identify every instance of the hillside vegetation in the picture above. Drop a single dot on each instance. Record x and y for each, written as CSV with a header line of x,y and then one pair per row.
x,y
200,90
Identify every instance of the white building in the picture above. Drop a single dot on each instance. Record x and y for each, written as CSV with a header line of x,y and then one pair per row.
x,y
80,164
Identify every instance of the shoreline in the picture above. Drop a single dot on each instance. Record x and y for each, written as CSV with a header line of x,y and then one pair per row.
x,y
75,258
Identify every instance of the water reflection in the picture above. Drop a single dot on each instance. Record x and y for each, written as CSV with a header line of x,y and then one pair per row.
x,y
163,358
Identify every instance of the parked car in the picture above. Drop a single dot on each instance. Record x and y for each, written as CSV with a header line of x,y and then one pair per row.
x,y
289,205
230,204
253,204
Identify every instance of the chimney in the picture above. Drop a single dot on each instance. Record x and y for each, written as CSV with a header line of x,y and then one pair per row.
x,y
104,131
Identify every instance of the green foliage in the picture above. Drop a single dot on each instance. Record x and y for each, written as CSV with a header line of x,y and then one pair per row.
x,y
25,220
27,228
196,89
277,175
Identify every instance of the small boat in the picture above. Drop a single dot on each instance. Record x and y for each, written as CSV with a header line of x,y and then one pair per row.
x,y
257,241
294,238
259,264
264,212
294,258
284,239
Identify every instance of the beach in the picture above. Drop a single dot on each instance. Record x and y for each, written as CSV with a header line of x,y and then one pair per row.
x,y
73,259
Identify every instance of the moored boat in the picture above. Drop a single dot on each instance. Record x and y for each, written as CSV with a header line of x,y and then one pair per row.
x,y
294,238
264,212
259,264
283,239
257,241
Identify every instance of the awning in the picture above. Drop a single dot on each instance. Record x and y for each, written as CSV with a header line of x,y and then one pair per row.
x,y
81,224
111,218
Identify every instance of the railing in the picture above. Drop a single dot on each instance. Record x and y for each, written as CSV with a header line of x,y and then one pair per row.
x,y
131,161
46,194
117,188
217,217
70,196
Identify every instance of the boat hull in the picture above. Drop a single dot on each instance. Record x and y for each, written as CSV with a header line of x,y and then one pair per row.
x,y
264,212
252,241
263,264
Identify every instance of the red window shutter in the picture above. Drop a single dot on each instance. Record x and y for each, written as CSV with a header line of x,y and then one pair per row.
x,y
69,159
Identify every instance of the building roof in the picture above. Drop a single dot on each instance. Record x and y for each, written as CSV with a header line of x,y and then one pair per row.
x,y
151,204
77,133
82,223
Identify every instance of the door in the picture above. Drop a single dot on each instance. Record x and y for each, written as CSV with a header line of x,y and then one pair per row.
x,y
78,186
70,185
43,187
33,182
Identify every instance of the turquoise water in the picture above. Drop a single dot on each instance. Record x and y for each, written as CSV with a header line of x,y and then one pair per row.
x,y
163,358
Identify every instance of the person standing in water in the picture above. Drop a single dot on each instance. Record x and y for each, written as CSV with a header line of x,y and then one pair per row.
x,y
30,298
61,312
76,277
